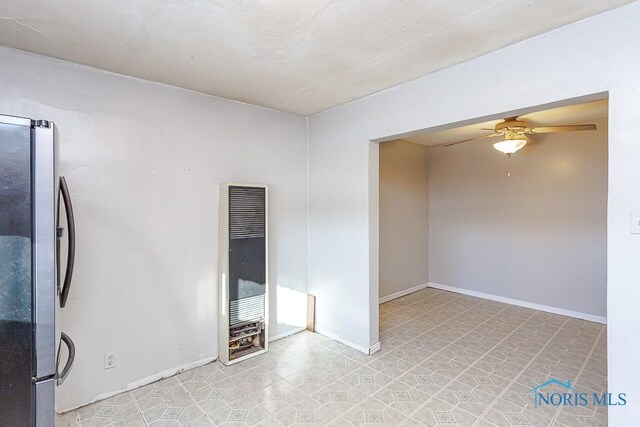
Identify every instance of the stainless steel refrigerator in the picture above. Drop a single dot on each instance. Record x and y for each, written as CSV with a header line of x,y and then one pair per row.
x,y
32,283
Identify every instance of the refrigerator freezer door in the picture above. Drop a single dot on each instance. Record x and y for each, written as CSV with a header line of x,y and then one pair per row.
x,y
16,327
45,414
44,254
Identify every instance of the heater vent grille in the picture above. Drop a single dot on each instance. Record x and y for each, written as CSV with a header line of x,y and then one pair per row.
x,y
246,212
246,310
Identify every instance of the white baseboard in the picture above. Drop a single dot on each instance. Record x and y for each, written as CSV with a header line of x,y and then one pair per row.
x,y
169,373
403,293
520,303
286,334
343,341
374,348
147,380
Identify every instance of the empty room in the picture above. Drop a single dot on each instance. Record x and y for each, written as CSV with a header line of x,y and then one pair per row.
x,y
323,212
495,263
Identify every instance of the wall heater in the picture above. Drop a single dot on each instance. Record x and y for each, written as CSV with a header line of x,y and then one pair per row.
x,y
243,271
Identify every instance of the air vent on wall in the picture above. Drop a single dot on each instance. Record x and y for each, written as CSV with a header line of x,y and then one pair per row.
x,y
246,212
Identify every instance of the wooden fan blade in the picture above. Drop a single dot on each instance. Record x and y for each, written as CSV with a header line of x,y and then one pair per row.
x,y
491,135
563,128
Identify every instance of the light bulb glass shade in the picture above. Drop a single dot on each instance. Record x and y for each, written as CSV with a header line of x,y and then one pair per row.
x,y
510,146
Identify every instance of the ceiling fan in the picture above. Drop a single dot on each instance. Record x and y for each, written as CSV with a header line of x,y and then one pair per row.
x,y
515,133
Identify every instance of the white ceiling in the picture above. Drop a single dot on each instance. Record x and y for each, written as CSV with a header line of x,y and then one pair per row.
x,y
569,115
291,55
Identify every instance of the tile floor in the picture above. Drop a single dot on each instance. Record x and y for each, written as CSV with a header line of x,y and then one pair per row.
x,y
446,359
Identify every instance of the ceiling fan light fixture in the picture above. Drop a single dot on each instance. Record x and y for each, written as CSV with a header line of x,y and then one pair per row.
x,y
511,144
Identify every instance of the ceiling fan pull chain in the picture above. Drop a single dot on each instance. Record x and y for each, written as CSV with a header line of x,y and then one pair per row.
x,y
508,165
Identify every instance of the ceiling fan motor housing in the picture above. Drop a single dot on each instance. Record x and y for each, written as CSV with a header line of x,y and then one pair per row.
x,y
512,125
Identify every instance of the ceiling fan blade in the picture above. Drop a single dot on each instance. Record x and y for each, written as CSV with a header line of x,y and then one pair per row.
x,y
491,135
563,128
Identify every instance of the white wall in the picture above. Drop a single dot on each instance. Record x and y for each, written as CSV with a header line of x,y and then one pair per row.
x,y
592,56
143,162
404,217
538,236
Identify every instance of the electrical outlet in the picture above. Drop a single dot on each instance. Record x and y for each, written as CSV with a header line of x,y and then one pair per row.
x,y
109,360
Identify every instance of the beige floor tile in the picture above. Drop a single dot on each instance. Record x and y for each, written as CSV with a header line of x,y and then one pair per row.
x,y
522,345
343,364
166,414
510,355
444,333
531,378
270,422
596,365
561,352
444,366
114,409
536,339
311,380
167,391
392,368
592,381
498,367
438,412
286,365
478,341
197,378
402,397
412,422
372,412
557,369
445,359
460,354
410,353
213,397
244,412
305,412
523,397
277,396
466,397
367,380
504,413
429,343
135,420
247,411
201,421
339,395
486,382
254,378
565,419
425,380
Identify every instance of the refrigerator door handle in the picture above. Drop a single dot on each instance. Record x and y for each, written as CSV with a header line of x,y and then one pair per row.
x,y
61,376
63,288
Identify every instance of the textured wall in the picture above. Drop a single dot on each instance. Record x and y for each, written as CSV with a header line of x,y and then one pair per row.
x,y
143,162
539,236
404,216
589,57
